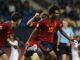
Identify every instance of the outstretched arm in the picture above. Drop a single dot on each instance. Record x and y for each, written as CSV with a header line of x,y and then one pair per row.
x,y
79,44
0,27
63,33
12,44
31,20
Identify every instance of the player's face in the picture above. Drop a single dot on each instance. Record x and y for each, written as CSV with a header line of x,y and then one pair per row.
x,y
57,13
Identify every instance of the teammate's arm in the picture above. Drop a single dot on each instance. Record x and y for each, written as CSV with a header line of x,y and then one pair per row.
x,y
0,27
63,33
12,44
58,41
29,23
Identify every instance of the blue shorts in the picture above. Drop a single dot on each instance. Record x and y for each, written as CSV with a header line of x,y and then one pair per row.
x,y
2,51
48,46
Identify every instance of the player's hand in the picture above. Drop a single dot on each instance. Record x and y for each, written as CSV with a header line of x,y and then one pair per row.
x,y
27,43
57,49
36,14
72,39
0,27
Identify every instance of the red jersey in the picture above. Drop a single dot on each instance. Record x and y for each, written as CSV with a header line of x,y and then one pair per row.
x,y
46,29
33,38
5,32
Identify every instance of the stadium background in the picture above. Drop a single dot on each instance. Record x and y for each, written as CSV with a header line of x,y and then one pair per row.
x,y
22,31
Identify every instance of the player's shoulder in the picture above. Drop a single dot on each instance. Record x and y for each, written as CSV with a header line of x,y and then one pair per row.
x,y
44,20
7,23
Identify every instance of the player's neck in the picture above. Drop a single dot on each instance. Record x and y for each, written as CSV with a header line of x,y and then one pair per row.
x,y
52,20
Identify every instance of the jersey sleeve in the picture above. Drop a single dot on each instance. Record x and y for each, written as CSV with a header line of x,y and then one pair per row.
x,y
8,27
34,24
39,23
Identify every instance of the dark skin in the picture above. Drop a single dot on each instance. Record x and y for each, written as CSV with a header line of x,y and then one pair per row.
x,y
53,17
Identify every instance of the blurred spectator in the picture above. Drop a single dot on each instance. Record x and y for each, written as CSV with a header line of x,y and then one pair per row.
x,y
23,1
61,3
78,23
55,2
68,8
14,1
4,11
11,8
73,15
62,14
18,6
27,11
77,32
1,20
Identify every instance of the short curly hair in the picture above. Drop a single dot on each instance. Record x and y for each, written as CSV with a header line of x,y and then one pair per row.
x,y
16,16
52,9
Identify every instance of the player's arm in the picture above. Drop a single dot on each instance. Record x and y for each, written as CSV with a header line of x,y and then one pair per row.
x,y
59,25
1,27
58,41
12,44
79,44
29,23
63,33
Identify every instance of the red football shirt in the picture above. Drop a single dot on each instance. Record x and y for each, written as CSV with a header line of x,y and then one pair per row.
x,y
5,32
46,29
33,38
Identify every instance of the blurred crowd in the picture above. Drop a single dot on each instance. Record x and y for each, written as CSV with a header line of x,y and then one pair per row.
x,y
70,7
10,6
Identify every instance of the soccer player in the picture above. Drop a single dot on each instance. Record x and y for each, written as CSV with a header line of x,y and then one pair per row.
x,y
14,55
6,29
33,42
46,28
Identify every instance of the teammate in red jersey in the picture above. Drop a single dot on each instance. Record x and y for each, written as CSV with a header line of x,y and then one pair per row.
x,y
46,28
6,29
37,54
